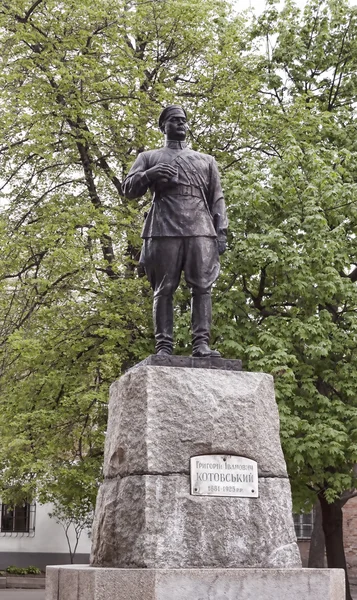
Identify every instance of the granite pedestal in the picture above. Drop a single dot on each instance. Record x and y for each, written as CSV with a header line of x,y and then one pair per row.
x,y
88,583
146,517
152,539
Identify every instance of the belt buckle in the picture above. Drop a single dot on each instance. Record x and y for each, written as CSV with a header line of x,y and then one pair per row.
x,y
186,191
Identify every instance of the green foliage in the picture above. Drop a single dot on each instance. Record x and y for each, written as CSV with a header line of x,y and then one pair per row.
x,y
31,570
12,570
81,86
74,495
289,282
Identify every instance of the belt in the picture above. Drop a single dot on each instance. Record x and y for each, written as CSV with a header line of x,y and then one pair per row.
x,y
181,190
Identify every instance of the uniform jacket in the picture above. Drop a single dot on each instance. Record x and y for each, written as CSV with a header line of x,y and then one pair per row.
x,y
185,205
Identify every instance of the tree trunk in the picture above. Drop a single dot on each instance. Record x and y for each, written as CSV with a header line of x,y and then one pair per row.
x,y
317,543
332,523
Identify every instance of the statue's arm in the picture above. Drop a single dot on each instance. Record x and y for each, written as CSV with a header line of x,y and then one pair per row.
x,y
215,197
136,183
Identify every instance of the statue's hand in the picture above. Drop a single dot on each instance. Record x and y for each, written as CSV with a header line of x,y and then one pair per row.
x,y
222,246
162,171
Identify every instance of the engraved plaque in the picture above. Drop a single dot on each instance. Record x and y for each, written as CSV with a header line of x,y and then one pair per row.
x,y
224,475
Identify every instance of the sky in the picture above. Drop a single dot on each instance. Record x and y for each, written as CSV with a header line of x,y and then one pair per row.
x,y
259,5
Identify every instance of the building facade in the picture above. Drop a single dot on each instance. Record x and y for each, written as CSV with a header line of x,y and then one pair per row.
x,y
30,537
304,526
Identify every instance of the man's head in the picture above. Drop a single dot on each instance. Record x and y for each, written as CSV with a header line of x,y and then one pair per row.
x,y
173,122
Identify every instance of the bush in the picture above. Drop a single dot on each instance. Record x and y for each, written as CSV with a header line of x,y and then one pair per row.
x,y
12,570
31,570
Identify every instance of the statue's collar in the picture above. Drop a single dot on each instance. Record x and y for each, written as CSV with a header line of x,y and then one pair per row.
x,y
177,144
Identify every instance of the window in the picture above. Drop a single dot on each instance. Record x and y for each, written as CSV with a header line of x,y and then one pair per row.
x,y
304,524
18,518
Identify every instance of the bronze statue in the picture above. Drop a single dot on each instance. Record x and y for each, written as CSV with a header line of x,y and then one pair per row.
x,y
185,229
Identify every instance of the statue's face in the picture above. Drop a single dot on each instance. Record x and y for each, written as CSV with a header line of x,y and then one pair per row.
x,y
175,127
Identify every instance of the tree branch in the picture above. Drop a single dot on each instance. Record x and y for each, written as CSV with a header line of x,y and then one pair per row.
x,y
29,12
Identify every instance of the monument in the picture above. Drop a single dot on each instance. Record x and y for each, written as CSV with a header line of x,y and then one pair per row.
x,y
184,231
196,501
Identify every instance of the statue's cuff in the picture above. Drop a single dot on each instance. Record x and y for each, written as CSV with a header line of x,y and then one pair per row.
x,y
148,180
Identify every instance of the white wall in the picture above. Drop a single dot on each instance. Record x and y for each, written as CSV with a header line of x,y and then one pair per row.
x,y
48,536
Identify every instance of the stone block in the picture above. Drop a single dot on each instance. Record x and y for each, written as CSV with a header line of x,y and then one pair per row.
x,y
153,521
202,584
135,584
68,584
161,416
86,584
52,582
25,583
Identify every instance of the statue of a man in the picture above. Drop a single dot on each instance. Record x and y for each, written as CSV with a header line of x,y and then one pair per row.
x,y
184,231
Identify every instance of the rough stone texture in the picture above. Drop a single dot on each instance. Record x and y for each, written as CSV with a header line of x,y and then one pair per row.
x,y
350,535
160,416
207,362
52,582
86,584
25,583
68,585
172,529
199,584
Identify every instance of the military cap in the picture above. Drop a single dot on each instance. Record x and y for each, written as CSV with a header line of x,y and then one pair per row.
x,y
170,111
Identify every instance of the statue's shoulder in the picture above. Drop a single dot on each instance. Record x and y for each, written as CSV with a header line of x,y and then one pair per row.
x,y
157,150
200,155
152,154
146,153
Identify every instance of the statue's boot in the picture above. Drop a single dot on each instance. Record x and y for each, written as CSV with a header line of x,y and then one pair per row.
x,y
201,314
163,324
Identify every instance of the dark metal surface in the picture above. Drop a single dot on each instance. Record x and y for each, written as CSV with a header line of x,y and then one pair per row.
x,y
208,362
184,231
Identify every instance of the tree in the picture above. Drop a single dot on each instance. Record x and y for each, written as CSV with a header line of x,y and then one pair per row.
x,y
317,542
73,521
289,284
81,88
73,497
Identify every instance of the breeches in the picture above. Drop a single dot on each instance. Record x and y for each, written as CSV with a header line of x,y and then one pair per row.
x,y
165,258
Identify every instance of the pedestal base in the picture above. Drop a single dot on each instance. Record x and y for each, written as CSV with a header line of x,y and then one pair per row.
x,y
77,582
146,516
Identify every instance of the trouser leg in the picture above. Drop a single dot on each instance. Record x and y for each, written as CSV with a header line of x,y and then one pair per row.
x,y
201,315
163,316
163,263
201,269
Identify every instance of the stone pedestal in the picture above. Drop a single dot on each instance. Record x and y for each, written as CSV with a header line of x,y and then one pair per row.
x,y
88,583
159,417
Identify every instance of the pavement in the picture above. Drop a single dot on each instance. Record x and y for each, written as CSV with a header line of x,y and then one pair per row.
x,y
22,594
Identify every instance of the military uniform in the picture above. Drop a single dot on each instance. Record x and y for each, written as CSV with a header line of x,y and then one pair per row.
x,y
179,234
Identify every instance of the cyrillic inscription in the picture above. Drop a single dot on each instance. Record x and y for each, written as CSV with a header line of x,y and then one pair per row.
x,y
224,475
